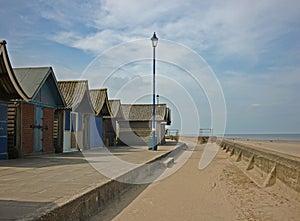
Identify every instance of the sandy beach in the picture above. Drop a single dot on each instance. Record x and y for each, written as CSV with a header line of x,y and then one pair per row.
x,y
219,192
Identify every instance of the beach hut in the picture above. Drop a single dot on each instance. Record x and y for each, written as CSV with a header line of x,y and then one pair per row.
x,y
117,115
135,129
77,115
100,125
10,89
35,125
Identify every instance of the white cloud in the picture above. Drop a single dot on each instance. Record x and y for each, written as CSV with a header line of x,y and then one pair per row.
x,y
262,34
69,14
272,92
255,105
93,43
228,28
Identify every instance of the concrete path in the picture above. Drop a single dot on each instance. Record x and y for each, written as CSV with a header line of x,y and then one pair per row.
x,y
35,185
221,191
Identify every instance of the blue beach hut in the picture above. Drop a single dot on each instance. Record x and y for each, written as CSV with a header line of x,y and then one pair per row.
x,y
9,89
99,130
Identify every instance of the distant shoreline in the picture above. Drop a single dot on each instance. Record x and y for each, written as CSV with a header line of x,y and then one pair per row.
x,y
264,141
284,137
290,147
280,137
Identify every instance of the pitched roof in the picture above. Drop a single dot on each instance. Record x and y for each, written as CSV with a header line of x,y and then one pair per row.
x,y
100,102
74,92
116,109
9,85
143,112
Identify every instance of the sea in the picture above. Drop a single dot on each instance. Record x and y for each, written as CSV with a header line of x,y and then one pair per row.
x,y
274,136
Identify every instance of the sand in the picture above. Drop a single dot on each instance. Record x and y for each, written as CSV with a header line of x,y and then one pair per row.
x,y
219,192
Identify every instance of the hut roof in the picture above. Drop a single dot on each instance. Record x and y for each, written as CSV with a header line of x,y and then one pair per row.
x,y
143,112
116,109
75,93
100,102
9,85
32,80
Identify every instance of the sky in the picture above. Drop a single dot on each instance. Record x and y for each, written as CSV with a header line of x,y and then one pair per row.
x,y
231,65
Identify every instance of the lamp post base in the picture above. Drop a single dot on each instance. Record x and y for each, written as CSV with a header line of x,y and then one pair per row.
x,y
155,148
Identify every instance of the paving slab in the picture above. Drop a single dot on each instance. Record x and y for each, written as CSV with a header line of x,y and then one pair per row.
x,y
29,184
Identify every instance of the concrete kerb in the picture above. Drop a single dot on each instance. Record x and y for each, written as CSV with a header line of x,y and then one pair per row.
x,y
97,197
265,167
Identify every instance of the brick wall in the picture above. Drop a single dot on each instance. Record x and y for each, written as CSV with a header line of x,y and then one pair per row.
x,y
27,112
48,145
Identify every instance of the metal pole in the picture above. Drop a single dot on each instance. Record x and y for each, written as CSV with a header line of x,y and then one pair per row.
x,y
154,147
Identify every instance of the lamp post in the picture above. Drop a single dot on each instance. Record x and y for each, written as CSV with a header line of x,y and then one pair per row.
x,y
154,40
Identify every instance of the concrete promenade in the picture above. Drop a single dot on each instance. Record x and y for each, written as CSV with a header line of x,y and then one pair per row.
x,y
221,191
48,186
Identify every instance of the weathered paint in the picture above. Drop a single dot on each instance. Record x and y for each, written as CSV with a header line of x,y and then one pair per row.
x,y
67,120
67,141
71,126
76,133
58,130
85,127
38,128
3,130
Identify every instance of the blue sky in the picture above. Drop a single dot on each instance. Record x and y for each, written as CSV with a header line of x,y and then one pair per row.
x,y
252,47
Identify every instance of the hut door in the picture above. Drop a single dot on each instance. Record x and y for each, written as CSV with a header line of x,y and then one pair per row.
x,y
74,130
38,129
3,130
86,131
96,131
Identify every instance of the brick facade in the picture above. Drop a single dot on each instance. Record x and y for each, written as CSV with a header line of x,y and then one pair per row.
x,y
27,111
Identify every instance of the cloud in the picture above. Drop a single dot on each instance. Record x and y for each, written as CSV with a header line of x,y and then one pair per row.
x,y
255,105
133,13
253,46
230,28
262,102
226,28
274,86
126,70
69,15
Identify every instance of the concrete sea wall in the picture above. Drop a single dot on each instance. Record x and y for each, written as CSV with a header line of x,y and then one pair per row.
x,y
264,167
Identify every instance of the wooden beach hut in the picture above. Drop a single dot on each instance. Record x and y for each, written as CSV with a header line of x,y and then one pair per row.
x,y
35,126
135,129
10,89
100,125
77,115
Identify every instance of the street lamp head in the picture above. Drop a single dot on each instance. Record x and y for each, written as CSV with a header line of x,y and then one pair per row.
x,y
154,40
